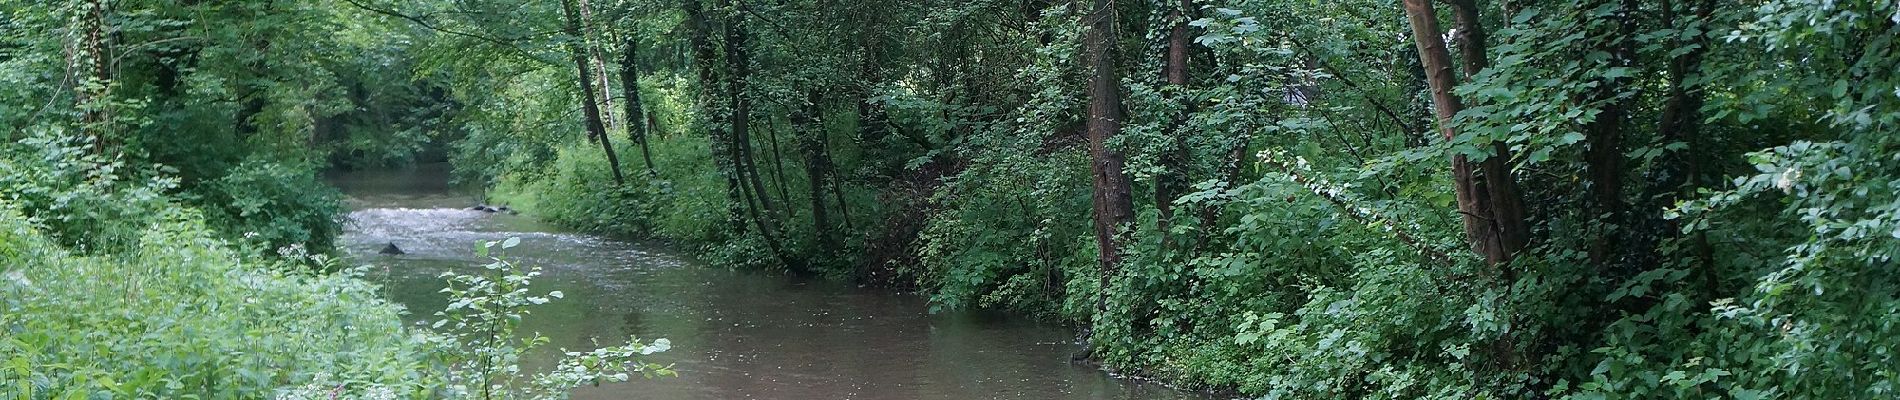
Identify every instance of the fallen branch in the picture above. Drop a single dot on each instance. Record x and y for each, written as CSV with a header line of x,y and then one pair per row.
x,y
1361,214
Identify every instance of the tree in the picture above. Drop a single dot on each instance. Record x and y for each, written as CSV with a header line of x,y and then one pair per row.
x,y
1171,182
637,122
1113,200
818,168
706,103
1604,158
752,186
96,83
590,110
1489,204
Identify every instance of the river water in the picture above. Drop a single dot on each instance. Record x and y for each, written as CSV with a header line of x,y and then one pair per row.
x,y
735,335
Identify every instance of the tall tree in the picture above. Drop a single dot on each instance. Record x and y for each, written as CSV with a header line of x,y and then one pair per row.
x,y
98,77
1677,173
1604,135
1172,181
1113,200
1489,204
818,168
589,109
637,122
739,64
704,55
592,36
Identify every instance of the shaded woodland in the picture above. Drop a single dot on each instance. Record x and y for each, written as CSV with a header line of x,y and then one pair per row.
x,y
1280,199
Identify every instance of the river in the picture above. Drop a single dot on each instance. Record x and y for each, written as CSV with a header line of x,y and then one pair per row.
x,y
735,334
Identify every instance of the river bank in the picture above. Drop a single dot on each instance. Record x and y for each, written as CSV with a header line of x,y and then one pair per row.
x,y
736,334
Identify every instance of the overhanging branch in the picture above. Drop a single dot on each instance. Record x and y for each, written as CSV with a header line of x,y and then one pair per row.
x,y
507,44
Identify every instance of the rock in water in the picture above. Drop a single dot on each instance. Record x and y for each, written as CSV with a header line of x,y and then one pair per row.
x,y
392,249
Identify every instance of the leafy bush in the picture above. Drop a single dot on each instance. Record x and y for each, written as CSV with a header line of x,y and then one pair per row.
x,y
184,316
276,204
480,324
83,200
680,202
159,306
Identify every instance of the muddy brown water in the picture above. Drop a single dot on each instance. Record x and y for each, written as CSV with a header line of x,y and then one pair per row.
x,y
735,334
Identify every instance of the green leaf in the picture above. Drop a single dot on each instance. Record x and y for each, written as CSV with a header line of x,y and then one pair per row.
x,y
1674,376
1570,137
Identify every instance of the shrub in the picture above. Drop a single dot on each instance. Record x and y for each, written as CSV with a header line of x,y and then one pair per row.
x,y
81,200
276,204
184,316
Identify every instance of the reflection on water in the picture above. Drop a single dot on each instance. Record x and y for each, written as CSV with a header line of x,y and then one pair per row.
x,y
736,335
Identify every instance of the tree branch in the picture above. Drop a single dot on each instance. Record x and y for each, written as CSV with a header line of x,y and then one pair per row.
x,y
1356,213
507,44
1336,73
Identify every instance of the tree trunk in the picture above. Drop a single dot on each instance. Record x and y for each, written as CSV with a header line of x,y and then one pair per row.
x,y
589,109
778,171
92,95
1490,209
1678,171
1471,35
637,125
1171,182
1604,157
1499,186
1113,204
1492,212
837,186
817,170
708,85
739,62
589,33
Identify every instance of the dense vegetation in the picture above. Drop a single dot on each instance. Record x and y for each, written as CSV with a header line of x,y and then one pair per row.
x,y
154,304
164,234
1291,199
1568,198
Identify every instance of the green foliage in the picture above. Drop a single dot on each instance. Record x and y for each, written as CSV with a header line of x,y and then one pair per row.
x,y
675,204
1319,252
185,316
276,205
237,101
83,200
158,305
144,138
480,325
